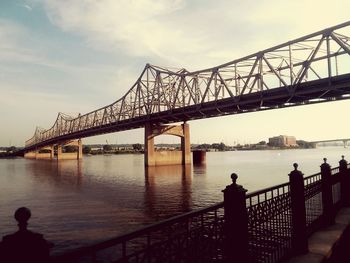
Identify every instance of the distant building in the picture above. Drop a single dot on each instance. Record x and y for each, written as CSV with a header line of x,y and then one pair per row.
x,y
283,141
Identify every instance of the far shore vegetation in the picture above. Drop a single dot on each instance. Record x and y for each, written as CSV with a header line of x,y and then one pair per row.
x,y
138,148
214,147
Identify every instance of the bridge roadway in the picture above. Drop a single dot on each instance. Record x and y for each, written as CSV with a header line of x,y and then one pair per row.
x,y
333,140
344,141
336,88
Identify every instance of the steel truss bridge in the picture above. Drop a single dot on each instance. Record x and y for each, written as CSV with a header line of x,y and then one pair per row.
x,y
311,69
344,141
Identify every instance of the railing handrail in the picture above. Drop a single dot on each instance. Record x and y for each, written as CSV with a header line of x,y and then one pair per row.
x,y
267,189
310,176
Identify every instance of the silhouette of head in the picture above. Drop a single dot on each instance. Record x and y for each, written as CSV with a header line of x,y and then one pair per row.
x,y
295,166
22,216
234,177
325,160
342,157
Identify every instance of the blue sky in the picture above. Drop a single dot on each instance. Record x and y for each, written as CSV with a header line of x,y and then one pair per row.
x,y
79,55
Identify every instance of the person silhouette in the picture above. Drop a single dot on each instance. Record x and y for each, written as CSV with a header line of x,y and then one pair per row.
x,y
24,245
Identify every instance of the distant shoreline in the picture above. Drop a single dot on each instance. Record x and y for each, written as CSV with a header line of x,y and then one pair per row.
x,y
10,156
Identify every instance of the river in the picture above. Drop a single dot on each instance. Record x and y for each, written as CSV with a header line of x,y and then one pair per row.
x,y
77,203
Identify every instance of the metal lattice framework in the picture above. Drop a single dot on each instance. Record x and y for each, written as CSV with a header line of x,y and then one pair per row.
x,y
311,69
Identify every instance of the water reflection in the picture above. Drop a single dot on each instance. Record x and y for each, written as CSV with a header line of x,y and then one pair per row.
x,y
68,172
167,190
199,169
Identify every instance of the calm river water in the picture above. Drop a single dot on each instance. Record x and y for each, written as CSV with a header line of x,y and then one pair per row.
x,y
79,203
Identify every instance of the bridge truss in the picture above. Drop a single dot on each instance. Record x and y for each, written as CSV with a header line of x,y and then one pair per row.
x,y
311,69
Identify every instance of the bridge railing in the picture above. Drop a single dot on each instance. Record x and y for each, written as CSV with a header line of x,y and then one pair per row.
x,y
202,235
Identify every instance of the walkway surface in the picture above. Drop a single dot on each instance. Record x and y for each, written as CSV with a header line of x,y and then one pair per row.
x,y
330,244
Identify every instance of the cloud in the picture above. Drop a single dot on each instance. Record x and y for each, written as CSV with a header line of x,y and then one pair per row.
x,y
26,6
191,34
15,46
131,24
49,67
285,20
159,30
24,109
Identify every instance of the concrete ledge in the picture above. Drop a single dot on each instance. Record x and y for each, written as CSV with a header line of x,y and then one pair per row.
x,y
322,243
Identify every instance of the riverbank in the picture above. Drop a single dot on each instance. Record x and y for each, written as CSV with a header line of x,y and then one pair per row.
x,y
7,156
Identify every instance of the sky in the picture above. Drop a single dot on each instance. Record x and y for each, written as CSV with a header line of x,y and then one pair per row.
x,y
75,56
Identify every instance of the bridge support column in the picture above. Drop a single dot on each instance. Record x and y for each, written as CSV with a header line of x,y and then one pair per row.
x,y
80,149
52,156
149,146
185,144
345,143
59,151
153,157
46,152
78,154
30,155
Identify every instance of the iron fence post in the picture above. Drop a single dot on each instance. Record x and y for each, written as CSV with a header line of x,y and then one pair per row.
x,y
327,198
297,192
344,181
236,223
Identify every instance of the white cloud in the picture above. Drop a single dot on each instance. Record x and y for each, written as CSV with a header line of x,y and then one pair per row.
x,y
115,23
285,20
155,29
28,66
26,6
24,109
192,35
15,48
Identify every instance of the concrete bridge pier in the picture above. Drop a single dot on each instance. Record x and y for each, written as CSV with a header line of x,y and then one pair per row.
x,y
345,143
153,158
46,152
70,155
30,155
